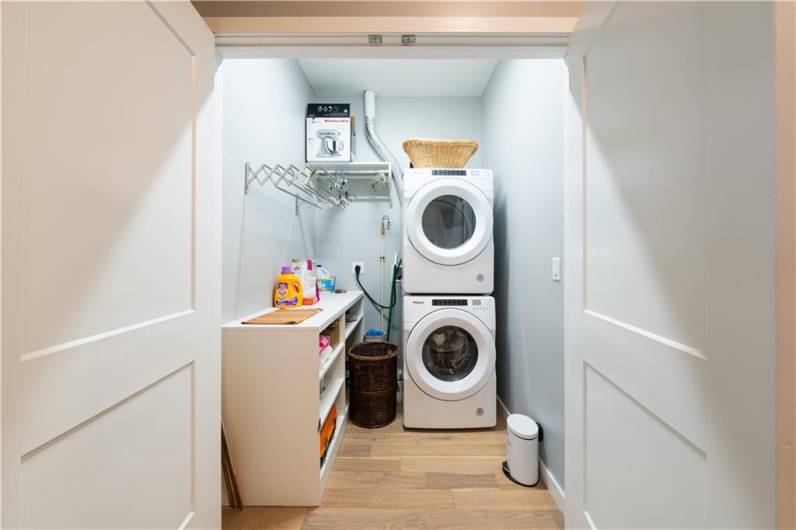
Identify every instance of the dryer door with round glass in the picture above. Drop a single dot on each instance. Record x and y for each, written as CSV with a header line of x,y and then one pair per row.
x,y
450,354
449,221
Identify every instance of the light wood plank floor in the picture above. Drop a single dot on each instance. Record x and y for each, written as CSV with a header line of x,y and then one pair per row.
x,y
391,478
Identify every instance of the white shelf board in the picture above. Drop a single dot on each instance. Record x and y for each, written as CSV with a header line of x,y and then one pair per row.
x,y
330,396
352,166
372,199
332,304
331,360
351,326
356,165
325,354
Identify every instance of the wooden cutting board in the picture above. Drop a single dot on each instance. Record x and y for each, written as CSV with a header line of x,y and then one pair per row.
x,y
285,316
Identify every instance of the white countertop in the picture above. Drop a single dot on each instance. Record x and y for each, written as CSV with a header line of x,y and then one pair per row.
x,y
332,305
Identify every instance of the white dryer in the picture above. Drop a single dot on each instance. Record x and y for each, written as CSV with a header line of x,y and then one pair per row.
x,y
447,231
449,379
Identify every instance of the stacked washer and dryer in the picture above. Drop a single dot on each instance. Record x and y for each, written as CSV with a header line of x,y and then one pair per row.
x,y
449,377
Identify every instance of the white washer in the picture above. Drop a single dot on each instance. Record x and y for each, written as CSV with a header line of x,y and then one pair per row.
x,y
449,379
447,231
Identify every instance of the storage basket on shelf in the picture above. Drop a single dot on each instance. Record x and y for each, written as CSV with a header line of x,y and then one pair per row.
x,y
439,153
373,367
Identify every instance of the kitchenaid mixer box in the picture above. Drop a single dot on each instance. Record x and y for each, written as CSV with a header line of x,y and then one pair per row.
x,y
329,135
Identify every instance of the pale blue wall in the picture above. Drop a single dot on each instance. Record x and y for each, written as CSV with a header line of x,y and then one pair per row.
x,y
263,121
523,119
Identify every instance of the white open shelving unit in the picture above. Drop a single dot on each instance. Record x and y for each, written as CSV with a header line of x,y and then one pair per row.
x,y
277,391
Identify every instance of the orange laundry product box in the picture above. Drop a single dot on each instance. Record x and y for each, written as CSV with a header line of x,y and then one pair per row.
x,y
327,432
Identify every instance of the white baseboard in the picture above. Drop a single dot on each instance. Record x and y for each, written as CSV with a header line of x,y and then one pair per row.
x,y
503,406
555,489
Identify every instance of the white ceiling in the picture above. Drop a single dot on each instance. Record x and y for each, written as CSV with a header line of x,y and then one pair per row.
x,y
399,77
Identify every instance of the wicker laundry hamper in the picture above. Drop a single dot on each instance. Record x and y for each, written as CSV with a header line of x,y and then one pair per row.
x,y
439,153
373,367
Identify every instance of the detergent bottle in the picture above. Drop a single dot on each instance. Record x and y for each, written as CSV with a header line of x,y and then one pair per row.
x,y
311,292
325,279
287,289
305,271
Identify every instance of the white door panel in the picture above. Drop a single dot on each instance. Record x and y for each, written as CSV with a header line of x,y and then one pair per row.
x,y
668,382
117,134
620,429
670,321
58,391
144,443
639,246
110,267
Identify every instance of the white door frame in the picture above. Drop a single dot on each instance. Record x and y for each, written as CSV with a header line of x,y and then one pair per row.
x,y
556,50
428,46
573,162
3,425
785,71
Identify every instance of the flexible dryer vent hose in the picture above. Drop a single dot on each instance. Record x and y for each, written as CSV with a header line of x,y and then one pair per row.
x,y
398,179
381,149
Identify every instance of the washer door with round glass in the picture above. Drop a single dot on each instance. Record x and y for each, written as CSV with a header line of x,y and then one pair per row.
x,y
450,354
449,221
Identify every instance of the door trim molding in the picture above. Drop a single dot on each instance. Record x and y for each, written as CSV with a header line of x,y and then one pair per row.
x,y
103,335
574,161
426,46
660,339
395,25
785,86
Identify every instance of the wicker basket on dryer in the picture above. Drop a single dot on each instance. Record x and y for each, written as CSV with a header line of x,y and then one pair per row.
x,y
373,367
439,153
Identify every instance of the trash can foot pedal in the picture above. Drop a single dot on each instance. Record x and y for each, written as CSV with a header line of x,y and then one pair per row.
x,y
508,476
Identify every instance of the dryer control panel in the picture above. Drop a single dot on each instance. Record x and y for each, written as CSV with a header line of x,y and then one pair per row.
x,y
416,178
449,172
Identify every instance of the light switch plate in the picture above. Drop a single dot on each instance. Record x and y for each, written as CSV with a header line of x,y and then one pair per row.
x,y
556,269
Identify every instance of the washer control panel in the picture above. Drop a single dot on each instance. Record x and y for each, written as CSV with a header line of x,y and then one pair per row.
x,y
449,302
418,307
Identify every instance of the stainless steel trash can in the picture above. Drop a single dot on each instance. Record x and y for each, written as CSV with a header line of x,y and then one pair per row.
x,y
522,450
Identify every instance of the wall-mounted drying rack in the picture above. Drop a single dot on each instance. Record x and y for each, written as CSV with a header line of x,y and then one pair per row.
x,y
326,186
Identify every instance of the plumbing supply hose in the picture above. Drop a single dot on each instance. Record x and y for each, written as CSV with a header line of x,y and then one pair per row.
x,y
393,294
393,298
367,295
373,138
382,264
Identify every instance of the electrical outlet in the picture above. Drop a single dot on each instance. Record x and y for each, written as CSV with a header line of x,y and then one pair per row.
x,y
361,267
